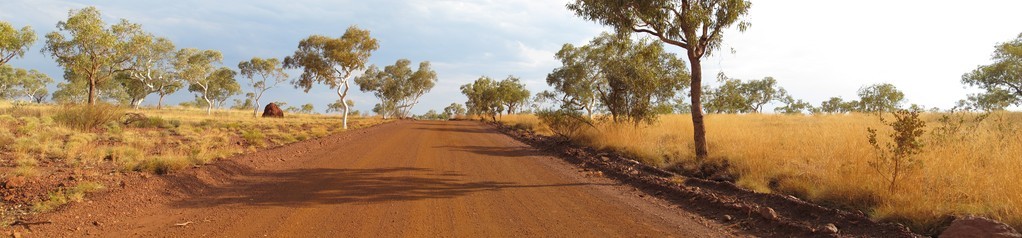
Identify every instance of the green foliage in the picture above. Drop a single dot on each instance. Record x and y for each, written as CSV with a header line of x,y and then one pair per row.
x,y
880,98
433,115
91,53
150,68
397,86
338,106
995,99
254,137
86,117
454,110
1002,79
483,97
736,96
29,84
697,26
65,196
575,81
565,123
13,42
331,61
199,68
635,76
263,74
837,105
513,94
893,160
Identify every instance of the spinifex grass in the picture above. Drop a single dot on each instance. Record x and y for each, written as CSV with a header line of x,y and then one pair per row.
x,y
825,158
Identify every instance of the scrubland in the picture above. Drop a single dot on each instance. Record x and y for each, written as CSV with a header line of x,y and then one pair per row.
x,y
54,154
969,164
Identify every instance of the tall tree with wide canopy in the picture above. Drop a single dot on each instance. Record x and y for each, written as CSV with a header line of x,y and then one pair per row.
x,y
483,97
397,86
150,67
91,51
1002,79
13,42
330,61
882,97
263,74
199,69
695,25
513,94
575,81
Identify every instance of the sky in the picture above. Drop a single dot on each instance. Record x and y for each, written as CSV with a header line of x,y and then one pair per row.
x,y
815,49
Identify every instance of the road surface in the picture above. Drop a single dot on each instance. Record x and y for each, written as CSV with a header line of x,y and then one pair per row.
x,y
401,179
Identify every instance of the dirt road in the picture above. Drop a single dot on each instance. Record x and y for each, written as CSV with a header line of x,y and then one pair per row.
x,y
402,179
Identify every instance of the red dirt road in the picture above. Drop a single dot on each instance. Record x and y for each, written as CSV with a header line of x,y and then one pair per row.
x,y
402,179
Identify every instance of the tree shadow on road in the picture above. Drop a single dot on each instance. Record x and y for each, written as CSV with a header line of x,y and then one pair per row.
x,y
305,187
496,151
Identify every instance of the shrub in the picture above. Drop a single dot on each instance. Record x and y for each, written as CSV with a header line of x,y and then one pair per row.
x,y
86,117
162,164
564,123
894,159
75,194
254,137
126,157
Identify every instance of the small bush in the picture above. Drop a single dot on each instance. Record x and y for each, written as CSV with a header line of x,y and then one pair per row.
x,y
895,159
6,140
25,170
254,137
127,158
564,123
59,198
162,164
86,117
319,131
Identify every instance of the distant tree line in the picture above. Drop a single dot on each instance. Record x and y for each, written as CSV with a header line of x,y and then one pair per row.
x,y
122,63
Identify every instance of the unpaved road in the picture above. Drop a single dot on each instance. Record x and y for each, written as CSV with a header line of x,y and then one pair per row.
x,y
401,179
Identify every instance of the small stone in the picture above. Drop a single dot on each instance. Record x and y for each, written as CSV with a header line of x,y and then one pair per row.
x,y
728,218
973,226
14,182
16,234
96,223
768,213
830,228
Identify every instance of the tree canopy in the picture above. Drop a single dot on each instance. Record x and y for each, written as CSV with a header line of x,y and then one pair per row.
x,y
1001,79
330,61
397,86
91,51
695,25
14,42
263,74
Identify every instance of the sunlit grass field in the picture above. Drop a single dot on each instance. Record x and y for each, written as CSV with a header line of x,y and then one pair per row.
x,y
45,143
966,166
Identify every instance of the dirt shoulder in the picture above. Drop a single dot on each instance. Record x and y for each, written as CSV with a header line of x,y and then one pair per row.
x,y
759,214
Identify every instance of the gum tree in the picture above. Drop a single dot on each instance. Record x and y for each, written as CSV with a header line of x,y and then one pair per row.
x,y
150,68
199,69
1002,79
397,86
694,25
330,61
263,74
13,42
90,51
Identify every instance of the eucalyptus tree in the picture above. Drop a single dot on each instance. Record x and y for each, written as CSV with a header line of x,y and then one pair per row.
x,y
696,25
33,85
794,106
338,105
513,94
882,97
216,88
1002,79
454,110
397,86
575,81
737,96
199,69
635,76
483,97
150,67
330,61
91,51
263,74
14,42
837,105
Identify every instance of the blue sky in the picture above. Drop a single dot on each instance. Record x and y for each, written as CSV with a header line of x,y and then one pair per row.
x,y
815,49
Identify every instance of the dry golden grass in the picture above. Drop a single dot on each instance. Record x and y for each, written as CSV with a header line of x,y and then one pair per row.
x,y
825,158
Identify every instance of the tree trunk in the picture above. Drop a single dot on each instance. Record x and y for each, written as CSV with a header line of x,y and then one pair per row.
x,y
255,112
159,104
209,106
343,92
92,92
699,129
